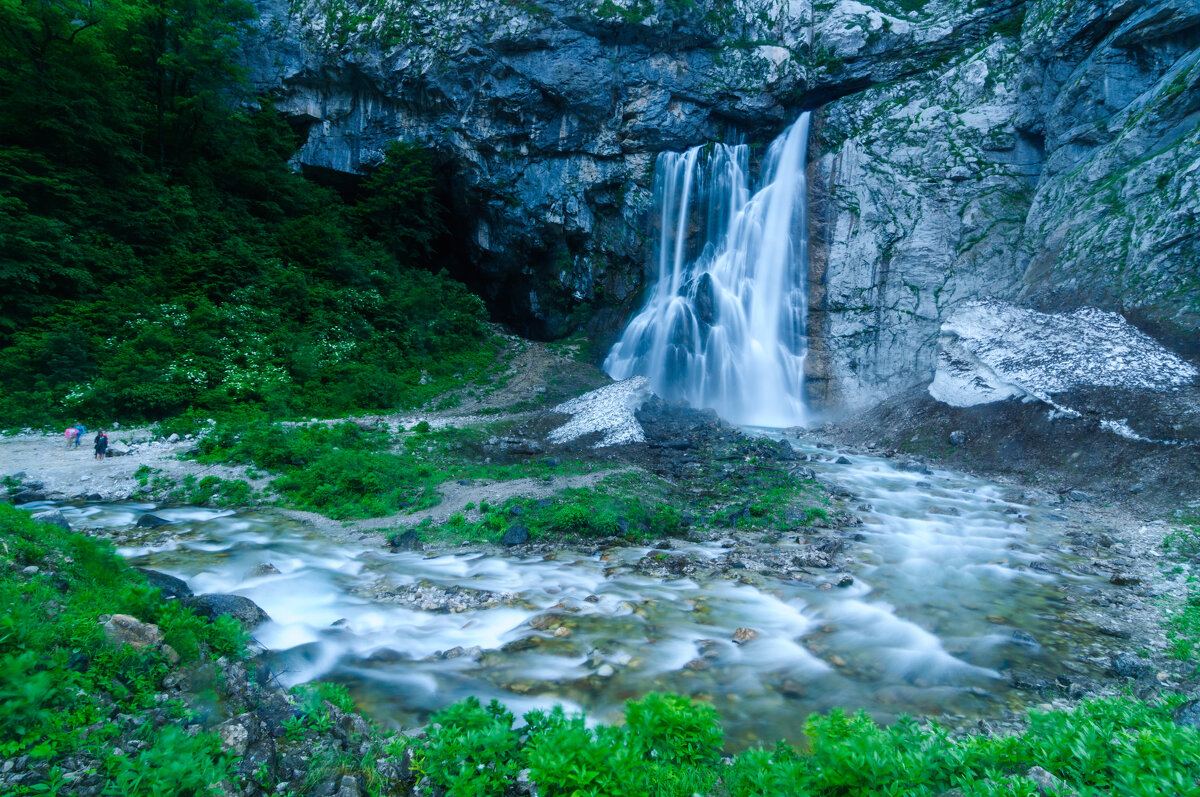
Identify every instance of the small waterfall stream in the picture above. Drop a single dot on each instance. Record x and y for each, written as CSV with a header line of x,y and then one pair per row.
x,y
724,325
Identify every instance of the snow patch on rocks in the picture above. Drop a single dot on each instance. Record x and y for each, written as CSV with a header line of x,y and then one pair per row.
x,y
991,350
610,410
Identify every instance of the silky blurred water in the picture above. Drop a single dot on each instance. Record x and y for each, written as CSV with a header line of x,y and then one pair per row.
x,y
940,608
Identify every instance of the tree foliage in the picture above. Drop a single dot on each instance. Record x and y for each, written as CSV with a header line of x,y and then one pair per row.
x,y
158,254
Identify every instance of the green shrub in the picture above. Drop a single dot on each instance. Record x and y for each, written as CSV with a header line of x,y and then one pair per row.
x,y
674,729
471,749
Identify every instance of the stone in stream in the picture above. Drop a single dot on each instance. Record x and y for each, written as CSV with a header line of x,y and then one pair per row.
x,y
244,610
1127,665
53,517
408,541
149,521
743,635
516,535
169,586
545,622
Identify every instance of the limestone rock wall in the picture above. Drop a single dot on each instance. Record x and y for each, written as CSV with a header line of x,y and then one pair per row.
x,y
1039,151
1049,156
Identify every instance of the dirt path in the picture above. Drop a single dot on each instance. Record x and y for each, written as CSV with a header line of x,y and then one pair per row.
x,y
74,472
535,377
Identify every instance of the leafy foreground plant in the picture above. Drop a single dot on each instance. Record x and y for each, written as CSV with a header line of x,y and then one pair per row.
x,y
672,746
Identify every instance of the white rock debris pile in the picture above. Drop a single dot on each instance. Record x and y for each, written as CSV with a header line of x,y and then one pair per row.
x,y
990,350
610,410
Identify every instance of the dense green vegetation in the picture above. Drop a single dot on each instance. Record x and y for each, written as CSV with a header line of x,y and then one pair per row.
x,y
65,690
670,746
158,254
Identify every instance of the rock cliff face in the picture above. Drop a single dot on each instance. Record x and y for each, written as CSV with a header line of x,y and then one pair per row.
x,y
547,118
1050,157
1041,151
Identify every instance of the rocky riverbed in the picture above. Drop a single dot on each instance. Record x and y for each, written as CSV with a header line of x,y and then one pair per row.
x,y
916,590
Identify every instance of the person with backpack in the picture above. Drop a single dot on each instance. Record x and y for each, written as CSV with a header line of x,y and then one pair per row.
x,y
80,431
101,444
71,433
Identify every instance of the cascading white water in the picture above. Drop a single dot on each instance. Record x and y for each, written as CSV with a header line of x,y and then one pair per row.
x,y
724,326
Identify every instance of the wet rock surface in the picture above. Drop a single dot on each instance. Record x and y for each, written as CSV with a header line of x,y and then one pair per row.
x,y
558,113
170,586
240,608
432,598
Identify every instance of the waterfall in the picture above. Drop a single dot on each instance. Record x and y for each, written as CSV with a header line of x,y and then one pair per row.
x,y
724,324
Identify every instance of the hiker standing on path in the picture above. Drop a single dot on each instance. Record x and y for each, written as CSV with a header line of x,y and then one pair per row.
x,y
80,430
101,444
71,433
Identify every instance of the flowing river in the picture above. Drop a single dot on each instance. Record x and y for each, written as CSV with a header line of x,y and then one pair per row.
x,y
942,605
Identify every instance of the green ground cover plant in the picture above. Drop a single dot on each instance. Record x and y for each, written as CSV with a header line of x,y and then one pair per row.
x,y
64,688
736,486
625,505
670,745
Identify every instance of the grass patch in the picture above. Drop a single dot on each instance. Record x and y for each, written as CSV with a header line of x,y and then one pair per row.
x,y
618,506
737,486
347,471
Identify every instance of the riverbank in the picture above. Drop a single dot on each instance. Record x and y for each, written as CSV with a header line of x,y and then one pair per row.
x,y
810,527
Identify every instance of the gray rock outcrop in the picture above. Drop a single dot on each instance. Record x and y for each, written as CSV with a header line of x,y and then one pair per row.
x,y
240,608
1049,157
